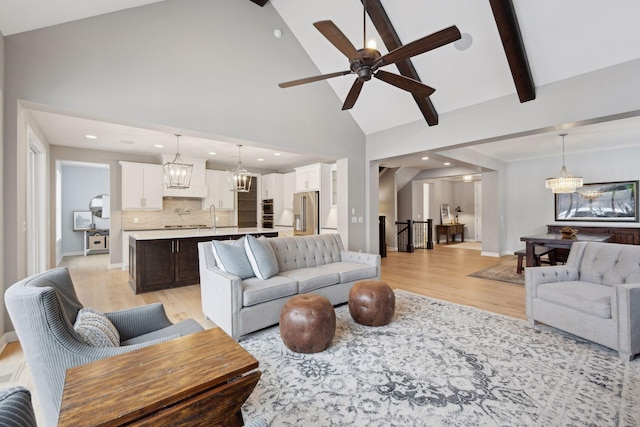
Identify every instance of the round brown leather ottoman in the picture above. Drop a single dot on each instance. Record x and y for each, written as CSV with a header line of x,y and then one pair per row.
x,y
307,323
372,303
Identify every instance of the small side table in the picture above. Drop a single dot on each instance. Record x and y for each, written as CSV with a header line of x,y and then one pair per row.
x,y
450,231
205,376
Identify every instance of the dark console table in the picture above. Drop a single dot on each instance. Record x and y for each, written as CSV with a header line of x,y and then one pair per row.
x,y
625,235
450,230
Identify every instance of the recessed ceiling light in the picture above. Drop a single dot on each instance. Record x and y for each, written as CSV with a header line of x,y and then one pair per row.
x,y
447,164
261,159
276,154
425,158
91,136
159,146
212,153
464,42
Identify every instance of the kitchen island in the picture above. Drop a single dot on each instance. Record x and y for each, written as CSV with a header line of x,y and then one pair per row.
x,y
162,259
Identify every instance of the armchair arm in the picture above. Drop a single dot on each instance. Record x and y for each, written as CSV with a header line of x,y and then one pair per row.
x,y
136,321
535,276
556,273
627,303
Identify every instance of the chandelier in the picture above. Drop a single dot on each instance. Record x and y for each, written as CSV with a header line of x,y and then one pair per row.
x,y
563,183
177,174
591,194
240,178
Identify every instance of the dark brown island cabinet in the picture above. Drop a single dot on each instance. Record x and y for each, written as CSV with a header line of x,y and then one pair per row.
x,y
158,264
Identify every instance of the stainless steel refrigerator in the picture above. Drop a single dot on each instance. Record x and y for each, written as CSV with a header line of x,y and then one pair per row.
x,y
306,213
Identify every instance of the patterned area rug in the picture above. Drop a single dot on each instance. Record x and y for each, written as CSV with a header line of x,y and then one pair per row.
x,y
504,271
441,364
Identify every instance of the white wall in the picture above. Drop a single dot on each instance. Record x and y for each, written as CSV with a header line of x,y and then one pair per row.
x,y
209,68
2,144
597,96
530,206
387,205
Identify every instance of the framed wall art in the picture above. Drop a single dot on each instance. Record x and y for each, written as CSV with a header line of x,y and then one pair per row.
x,y
602,202
445,214
81,220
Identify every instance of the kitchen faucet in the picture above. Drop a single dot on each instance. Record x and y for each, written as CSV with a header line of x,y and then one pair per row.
x,y
213,206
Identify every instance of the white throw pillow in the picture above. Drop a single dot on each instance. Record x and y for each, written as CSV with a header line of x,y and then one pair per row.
x,y
232,258
261,256
96,329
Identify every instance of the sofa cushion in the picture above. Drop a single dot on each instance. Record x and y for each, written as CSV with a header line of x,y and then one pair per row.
x,y
611,265
94,328
586,297
351,271
312,278
306,251
261,256
256,291
232,257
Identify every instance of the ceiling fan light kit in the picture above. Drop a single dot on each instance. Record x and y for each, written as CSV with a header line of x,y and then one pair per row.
x,y
177,174
365,62
563,183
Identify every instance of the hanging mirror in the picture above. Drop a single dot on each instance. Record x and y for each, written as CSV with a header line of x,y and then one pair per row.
x,y
100,206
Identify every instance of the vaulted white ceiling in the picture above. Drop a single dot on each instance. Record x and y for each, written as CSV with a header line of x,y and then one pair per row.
x,y
562,39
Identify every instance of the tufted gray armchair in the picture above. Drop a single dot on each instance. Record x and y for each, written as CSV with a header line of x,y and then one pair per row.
x,y
595,295
43,309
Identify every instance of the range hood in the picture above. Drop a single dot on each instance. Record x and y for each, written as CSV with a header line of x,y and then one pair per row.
x,y
198,186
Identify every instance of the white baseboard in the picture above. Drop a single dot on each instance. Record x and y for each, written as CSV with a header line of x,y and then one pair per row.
x,y
75,253
6,338
493,254
116,265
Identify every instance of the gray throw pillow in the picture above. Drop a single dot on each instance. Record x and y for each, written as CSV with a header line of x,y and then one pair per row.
x,y
94,328
262,257
232,258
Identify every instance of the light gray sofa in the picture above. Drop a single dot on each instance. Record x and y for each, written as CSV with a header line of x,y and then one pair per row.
x,y
595,295
315,264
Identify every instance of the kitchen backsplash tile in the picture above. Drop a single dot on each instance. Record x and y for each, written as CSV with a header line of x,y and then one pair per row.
x,y
192,214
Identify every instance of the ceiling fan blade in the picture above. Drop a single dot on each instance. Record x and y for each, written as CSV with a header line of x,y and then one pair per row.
x,y
337,38
352,97
313,79
419,46
405,83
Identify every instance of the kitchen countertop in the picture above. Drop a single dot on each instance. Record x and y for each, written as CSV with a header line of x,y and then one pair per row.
x,y
184,233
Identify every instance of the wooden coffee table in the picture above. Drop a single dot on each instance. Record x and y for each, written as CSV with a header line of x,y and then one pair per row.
x,y
200,379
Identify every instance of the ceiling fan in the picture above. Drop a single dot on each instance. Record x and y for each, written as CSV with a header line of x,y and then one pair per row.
x,y
366,62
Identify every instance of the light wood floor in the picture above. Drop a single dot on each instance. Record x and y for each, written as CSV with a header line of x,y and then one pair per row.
x,y
439,273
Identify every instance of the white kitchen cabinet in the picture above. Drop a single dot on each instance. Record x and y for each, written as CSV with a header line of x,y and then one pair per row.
x,y
219,191
288,186
142,185
197,185
308,177
272,186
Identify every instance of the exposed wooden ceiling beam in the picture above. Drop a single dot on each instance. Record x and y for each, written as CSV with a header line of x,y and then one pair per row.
x,y
391,40
260,2
507,22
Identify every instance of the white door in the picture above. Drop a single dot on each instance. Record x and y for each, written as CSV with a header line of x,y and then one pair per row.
x,y
36,205
478,209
